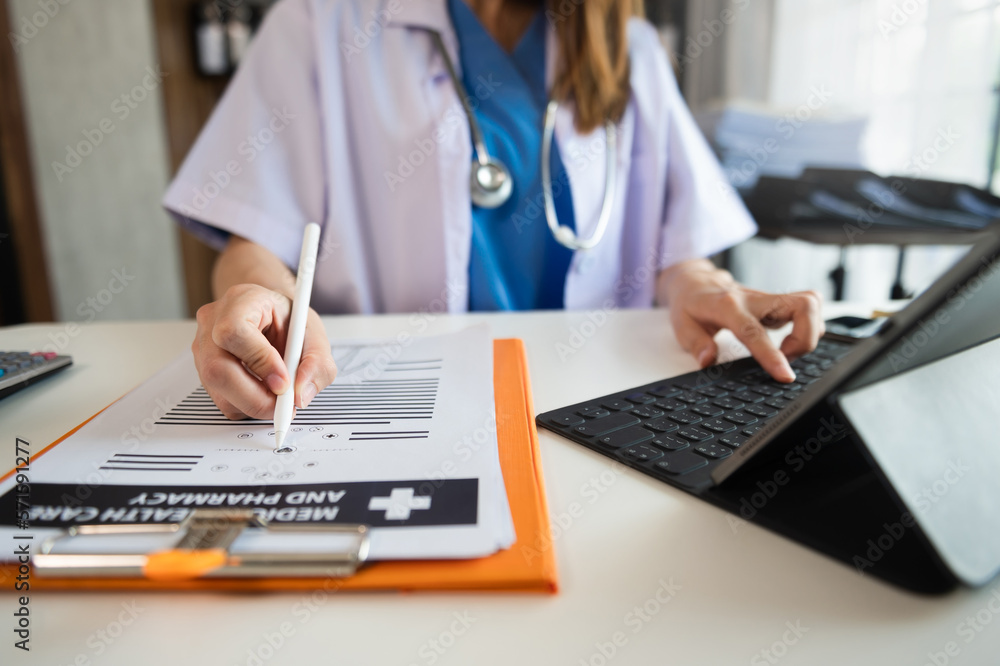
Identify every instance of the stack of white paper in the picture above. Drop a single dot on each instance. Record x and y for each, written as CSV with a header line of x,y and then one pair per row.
x,y
753,142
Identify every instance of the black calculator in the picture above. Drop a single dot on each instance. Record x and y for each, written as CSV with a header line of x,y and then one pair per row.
x,y
19,369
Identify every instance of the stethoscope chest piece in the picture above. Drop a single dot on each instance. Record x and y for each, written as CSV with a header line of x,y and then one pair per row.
x,y
490,183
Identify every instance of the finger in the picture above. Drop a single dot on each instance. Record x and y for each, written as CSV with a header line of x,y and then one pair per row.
x,y
239,329
752,333
695,339
232,388
807,325
226,407
317,369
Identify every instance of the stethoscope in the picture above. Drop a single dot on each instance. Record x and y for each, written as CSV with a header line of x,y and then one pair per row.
x,y
490,181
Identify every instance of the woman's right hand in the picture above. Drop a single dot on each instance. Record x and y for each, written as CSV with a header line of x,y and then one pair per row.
x,y
246,330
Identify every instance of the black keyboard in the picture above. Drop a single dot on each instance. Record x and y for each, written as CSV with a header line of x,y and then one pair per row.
x,y
21,369
678,429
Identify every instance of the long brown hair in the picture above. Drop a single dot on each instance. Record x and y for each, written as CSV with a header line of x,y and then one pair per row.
x,y
593,66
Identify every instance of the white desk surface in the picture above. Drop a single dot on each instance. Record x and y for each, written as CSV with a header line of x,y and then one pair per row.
x,y
739,589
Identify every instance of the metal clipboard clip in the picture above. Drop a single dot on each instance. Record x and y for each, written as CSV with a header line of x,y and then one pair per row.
x,y
203,551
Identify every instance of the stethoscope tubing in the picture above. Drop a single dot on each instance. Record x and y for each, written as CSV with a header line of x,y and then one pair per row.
x,y
564,235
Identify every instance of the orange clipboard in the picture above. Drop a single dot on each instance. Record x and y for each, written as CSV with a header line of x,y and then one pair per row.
x,y
527,566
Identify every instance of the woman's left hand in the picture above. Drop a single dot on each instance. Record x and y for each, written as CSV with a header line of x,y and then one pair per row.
x,y
704,299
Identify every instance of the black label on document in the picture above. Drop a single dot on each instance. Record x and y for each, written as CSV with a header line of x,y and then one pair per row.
x,y
374,503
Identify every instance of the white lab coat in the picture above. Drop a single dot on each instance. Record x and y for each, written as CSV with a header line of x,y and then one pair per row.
x,y
343,113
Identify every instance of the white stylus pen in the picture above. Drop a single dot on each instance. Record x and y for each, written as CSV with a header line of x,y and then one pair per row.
x,y
285,406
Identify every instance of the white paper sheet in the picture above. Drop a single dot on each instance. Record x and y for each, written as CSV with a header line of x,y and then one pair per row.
x,y
403,440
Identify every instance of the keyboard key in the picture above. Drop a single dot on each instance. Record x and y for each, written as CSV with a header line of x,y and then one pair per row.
x,y
567,420
750,431
813,371
641,453
712,391
661,425
708,411
765,390
718,425
640,398
728,403
593,412
665,391
679,463
617,405
740,418
694,384
670,443
747,396
647,412
685,418
791,388
760,410
692,398
713,450
694,434
778,403
626,437
757,376
803,378
670,405
732,441
606,425
731,386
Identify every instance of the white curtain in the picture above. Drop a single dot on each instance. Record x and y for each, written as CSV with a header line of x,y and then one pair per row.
x,y
923,71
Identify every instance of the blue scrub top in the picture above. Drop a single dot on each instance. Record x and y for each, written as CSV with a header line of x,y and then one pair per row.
x,y
515,263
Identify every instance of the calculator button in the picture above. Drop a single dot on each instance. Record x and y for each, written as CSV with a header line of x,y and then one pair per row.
x,y
679,463
626,437
713,450
640,398
606,425
661,425
566,421
694,434
718,425
593,412
669,443
641,453
647,412
617,405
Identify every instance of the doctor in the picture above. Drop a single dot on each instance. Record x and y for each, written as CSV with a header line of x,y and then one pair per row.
x,y
460,154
